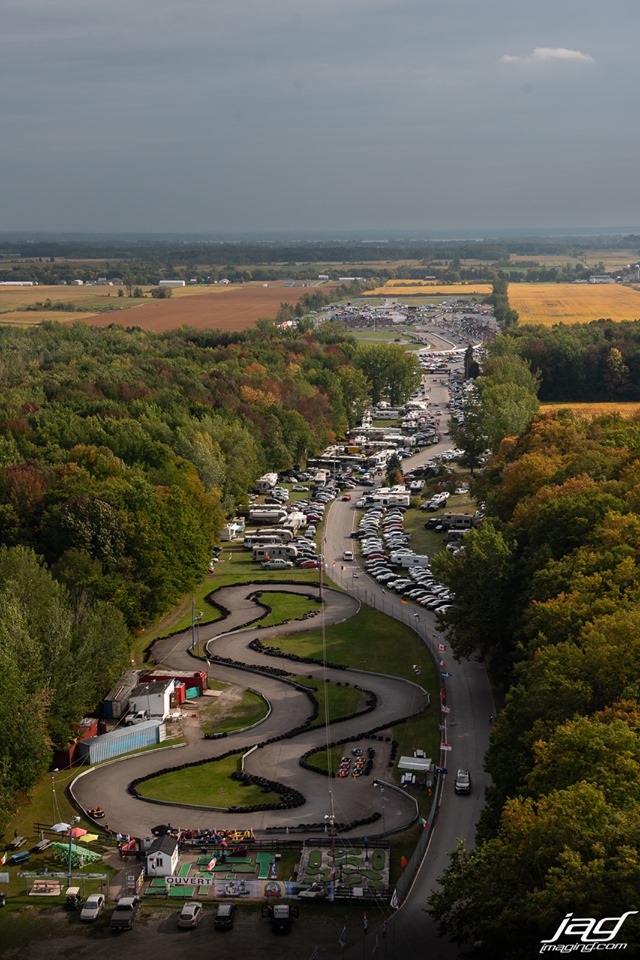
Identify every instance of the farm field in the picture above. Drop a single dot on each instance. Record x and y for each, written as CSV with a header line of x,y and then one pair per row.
x,y
612,259
412,288
88,300
550,303
232,307
221,308
594,409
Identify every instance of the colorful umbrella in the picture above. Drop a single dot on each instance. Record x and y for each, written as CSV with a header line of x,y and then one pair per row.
x,y
78,832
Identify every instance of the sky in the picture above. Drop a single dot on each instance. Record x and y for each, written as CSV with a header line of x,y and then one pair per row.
x,y
227,116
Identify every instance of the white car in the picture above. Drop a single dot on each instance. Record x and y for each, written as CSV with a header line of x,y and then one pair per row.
x,y
92,907
277,564
190,915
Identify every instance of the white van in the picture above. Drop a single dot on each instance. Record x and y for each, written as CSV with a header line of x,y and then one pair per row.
x,y
347,555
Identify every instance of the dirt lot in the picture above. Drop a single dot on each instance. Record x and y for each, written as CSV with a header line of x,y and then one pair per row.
x,y
235,308
155,936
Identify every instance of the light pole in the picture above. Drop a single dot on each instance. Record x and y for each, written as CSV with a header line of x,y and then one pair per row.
x,y
54,799
71,823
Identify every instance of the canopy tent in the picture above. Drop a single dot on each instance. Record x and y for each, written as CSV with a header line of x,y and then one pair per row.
x,y
78,832
60,827
79,855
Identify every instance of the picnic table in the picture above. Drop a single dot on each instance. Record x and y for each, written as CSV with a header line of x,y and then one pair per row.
x,y
17,842
41,845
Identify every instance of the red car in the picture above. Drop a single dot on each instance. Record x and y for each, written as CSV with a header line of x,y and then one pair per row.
x,y
346,496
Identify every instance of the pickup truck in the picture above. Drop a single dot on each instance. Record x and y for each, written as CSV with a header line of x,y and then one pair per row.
x,y
136,716
126,911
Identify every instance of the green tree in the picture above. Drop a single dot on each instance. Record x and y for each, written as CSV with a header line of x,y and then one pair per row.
x,y
482,578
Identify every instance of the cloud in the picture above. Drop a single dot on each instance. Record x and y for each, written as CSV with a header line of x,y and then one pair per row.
x,y
547,54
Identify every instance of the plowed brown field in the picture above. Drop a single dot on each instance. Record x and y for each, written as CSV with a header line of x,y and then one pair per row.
x,y
232,308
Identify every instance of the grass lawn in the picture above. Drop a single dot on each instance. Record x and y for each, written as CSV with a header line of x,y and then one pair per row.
x,y
286,606
233,710
334,701
207,785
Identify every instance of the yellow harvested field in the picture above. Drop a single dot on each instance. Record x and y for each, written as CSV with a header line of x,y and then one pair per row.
x,y
12,298
594,409
32,318
426,288
549,303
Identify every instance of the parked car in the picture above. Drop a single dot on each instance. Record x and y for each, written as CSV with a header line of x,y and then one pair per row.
x,y
93,907
277,564
225,915
190,915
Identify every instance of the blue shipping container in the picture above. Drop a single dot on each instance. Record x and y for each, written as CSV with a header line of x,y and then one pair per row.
x,y
121,741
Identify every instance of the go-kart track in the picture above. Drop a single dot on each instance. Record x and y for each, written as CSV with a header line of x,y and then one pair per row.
x,y
349,801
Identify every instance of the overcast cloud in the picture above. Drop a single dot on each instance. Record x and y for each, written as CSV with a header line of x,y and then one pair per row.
x,y
239,115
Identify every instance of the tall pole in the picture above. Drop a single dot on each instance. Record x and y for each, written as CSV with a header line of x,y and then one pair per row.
x,y
71,823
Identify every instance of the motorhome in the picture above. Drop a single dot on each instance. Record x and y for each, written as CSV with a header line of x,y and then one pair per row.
x,y
459,521
267,515
275,551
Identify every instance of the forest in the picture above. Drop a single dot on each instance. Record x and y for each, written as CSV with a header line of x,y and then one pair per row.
x,y
548,596
121,455
598,361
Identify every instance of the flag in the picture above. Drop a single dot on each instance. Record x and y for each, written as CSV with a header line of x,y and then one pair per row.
x,y
441,662
365,923
394,903
3,858
208,662
342,940
444,709
424,823
212,864
442,646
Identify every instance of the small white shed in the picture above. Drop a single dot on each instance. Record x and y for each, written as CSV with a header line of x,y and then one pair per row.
x,y
163,857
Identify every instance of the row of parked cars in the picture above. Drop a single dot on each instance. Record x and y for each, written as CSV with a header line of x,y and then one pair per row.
x,y
385,548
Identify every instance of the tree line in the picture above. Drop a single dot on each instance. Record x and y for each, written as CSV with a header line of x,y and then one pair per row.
x,y
548,596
